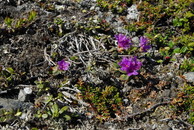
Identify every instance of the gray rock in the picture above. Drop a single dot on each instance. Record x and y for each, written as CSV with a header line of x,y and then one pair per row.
x,y
189,77
166,93
12,104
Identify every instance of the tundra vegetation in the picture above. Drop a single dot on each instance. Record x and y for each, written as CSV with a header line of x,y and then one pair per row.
x,y
97,64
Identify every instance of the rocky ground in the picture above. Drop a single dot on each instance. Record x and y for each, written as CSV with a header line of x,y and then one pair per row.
x,y
41,33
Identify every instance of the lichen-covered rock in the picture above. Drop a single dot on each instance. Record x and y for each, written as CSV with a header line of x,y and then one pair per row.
x,y
189,77
12,104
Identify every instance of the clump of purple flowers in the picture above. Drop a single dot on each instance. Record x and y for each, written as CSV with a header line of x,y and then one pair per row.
x,y
123,41
130,65
63,65
144,44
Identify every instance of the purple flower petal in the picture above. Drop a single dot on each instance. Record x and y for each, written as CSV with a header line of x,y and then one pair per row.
x,y
144,44
123,41
133,73
63,65
130,65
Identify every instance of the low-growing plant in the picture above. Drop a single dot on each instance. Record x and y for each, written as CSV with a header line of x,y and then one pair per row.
x,y
188,65
17,23
154,19
48,108
8,21
43,86
32,15
116,6
7,115
105,102
184,102
7,77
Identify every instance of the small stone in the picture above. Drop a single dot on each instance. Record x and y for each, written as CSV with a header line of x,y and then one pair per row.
x,y
60,8
24,94
28,90
73,17
92,8
23,116
95,21
125,101
135,40
97,9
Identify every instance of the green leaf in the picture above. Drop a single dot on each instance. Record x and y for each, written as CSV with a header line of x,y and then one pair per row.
x,y
44,116
176,22
67,117
183,20
191,44
32,15
159,61
183,49
8,21
55,110
115,65
18,113
189,14
171,44
34,128
176,50
132,49
63,109
124,77
48,99
167,48
9,78
10,70
97,27
73,58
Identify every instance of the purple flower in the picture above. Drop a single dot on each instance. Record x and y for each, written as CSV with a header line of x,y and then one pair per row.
x,y
63,65
123,41
130,65
144,44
